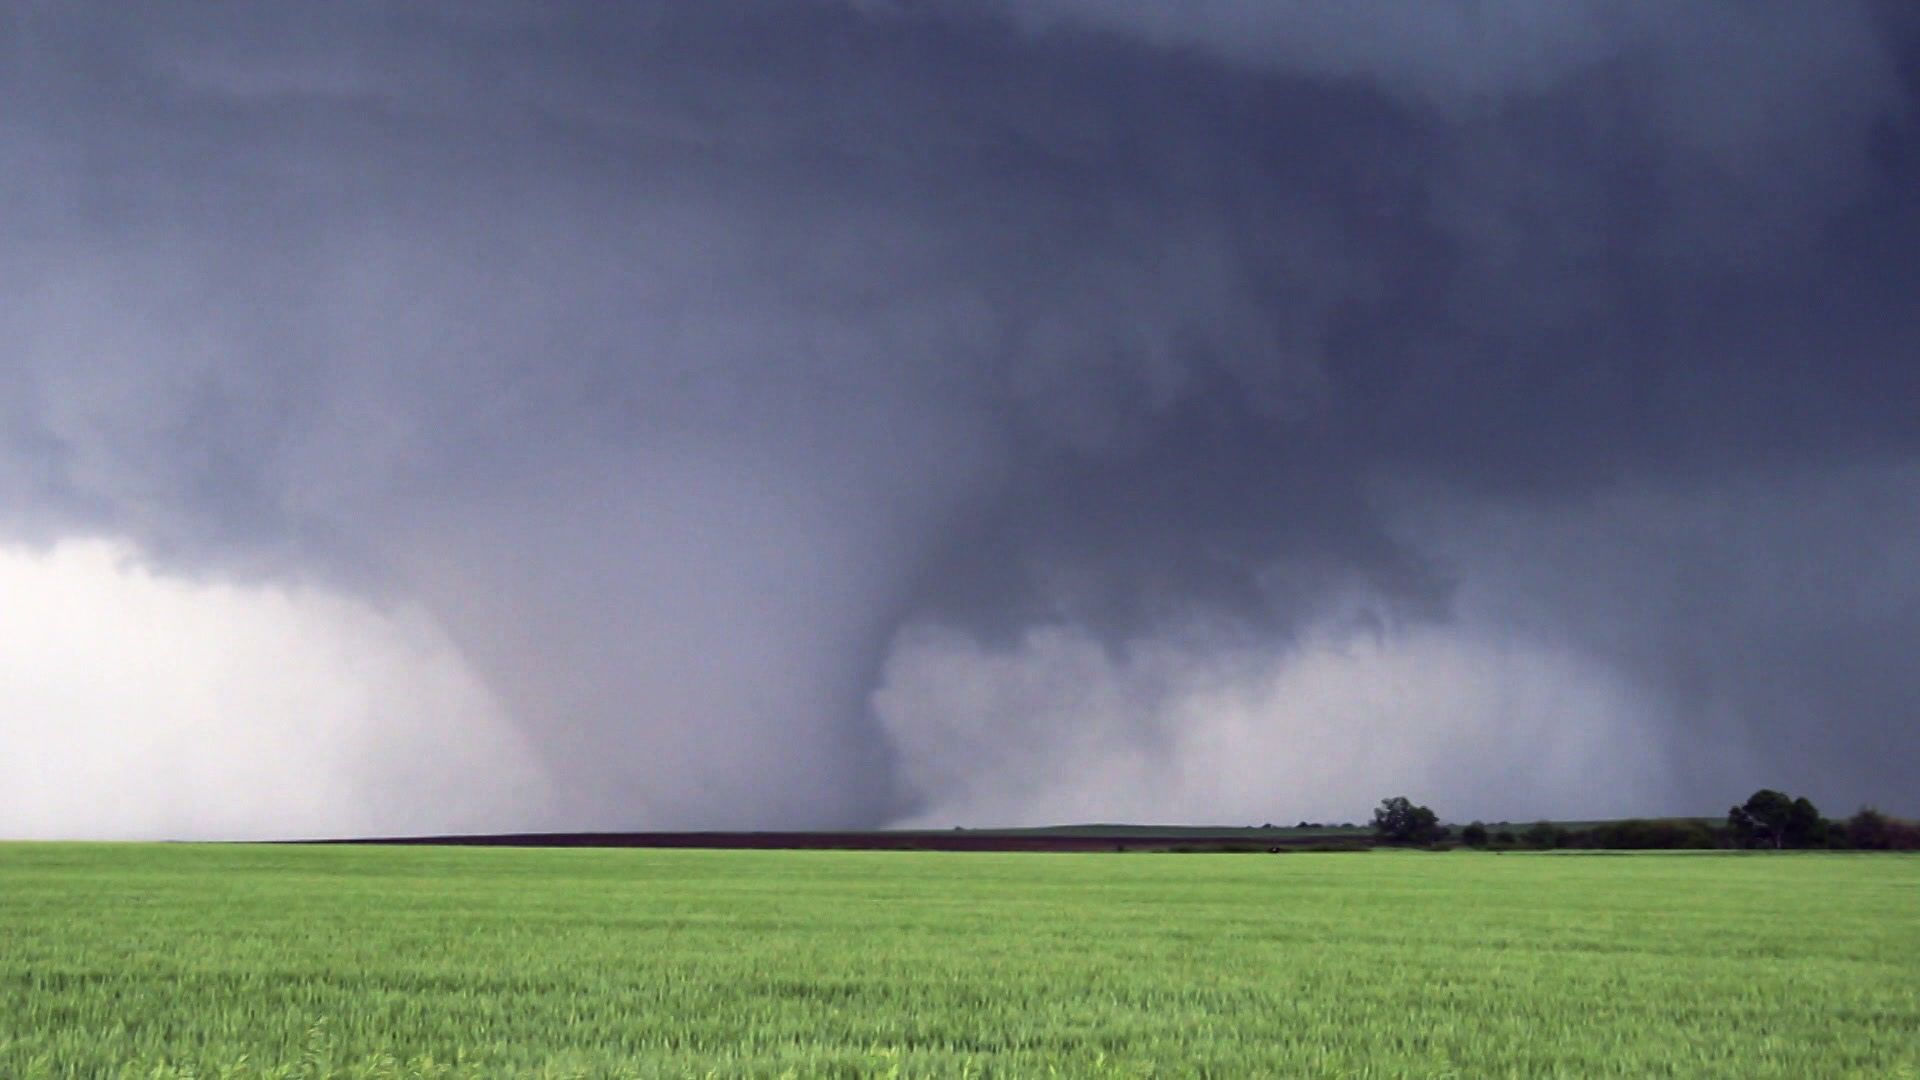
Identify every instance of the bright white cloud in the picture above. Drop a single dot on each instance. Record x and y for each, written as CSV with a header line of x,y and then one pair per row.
x,y
136,705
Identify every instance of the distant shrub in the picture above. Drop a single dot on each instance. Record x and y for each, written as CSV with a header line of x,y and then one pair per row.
x,y
1903,836
1871,830
1399,821
1505,838
1868,830
1545,835
1474,835
1772,819
1643,834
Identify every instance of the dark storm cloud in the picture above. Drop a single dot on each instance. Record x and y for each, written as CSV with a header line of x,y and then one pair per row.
x,y
680,358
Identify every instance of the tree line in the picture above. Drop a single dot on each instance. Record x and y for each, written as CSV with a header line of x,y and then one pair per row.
x,y
1769,819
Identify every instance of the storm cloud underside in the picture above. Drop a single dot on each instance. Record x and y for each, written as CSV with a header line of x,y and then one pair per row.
x,y
833,414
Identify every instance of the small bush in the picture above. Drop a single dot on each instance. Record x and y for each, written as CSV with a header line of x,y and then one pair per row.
x,y
1871,830
1545,835
1643,834
1399,821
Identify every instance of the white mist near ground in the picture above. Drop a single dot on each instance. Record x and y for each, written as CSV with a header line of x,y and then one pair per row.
x,y
135,705
1057,728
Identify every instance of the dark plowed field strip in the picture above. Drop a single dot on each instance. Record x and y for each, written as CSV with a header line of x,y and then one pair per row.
x,y
868,841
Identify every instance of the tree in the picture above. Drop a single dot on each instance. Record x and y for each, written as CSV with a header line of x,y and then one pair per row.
x,y
1805,826
1545,835
1762,819
1868,830
1399,821
1771,818
1474,835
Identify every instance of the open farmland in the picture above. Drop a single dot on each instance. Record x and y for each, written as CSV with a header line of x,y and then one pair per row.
x,y
306,961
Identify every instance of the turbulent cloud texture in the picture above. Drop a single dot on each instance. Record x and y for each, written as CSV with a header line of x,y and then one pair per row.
x,y
841,413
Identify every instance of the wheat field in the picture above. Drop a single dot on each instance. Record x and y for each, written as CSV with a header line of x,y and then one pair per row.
x,y
172,961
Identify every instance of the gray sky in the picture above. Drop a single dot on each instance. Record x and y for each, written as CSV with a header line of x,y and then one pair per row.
x,y
830,414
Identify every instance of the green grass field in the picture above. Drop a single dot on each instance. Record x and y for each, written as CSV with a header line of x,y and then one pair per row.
x,y
130,960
